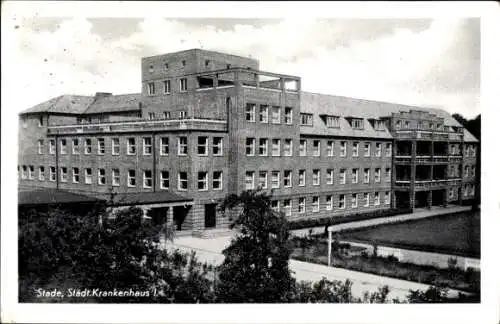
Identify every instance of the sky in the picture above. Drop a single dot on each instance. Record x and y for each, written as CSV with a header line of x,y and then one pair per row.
x,y
427,62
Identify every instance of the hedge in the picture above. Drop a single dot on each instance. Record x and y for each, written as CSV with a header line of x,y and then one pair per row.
x,y
333,220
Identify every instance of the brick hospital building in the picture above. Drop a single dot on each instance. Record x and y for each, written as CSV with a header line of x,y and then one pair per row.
x,y
207,124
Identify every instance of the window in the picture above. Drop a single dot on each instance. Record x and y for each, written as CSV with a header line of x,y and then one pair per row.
x,y
64,149
466,191
182,145
366,175
287,178
355,175
75,146
306,119
343,148
166,115
303,148
329,202
131,178
182,114
183,63
342,176
164,146
379,125
263,179
341,201
473,171
378,149
275,206
315,204
64,174
115,146
182,181
316,148
366,199
87,146
388,150
407,124
332,122
357,123
387,198
377,174
330,148
473,151
466,173
377,198
151,88
288,147
151,115
207,62
52,173
316,179
263,143
76,175
115,177
24,173
388,174
166,86
183,84
367,149
472,189
398,124
202,145
354,201
40,121
355,149
164,180
202,181
31,170
250,146
40,146
147,146
264,114
275,179
250,112
131,146
275,147
100,146
302,205
217,146
276,115
101,177
249,180
302,178
329,176
41,173
217,180
287,207
288,116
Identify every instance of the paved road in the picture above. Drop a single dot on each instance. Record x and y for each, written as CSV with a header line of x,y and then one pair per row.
x,y
208,250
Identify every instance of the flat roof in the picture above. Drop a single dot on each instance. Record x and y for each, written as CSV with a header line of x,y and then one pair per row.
x,y
50,196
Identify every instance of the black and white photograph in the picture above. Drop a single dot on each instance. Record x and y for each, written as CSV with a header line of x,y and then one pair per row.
x,y
195,158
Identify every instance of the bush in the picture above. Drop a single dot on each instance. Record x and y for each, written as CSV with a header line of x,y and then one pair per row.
x,y
333,220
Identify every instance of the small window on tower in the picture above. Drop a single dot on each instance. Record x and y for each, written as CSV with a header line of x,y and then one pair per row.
x,y
207,63
183,62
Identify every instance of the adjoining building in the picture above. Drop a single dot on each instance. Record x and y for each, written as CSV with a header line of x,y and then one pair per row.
x,y
208,124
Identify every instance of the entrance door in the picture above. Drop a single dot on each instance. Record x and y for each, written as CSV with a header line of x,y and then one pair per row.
x,y
210,215
179,216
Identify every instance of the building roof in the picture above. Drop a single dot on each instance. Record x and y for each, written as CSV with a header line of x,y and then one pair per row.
x,y
116,103
143,198
66,104
47,196
319,104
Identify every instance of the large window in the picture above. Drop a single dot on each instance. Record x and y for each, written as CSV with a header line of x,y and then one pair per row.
x,y
115,177
202,181
387,198
302,205
40,146
276,115
147,146
64,174
250,146
217,180
249,180
343,148
303,148
263,144
164,149
263,179
275,205
151,88
217,146
342,176
131,149
52,146
288,115
164,180
287,207
275,147
131,179
355,149
147,179
24,172
52,174
250,112
378,149
275,179
182,181
315,204
354,201
341,201
183,85
182,145
388,150
202,145
31,171
41,173
377,175
367,149
388,174
366,175
329,202
166,86
287,178
264,114
100,146
101,179
376,198
87,146
316,177
115,146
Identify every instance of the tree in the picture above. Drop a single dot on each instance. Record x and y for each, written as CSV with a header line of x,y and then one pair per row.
x,y
255,269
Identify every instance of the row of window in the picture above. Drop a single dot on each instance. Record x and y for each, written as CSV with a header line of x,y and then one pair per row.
x,y
469,150
102,179
131,148
357,200
250,146
167,86
262,183
275,118
454,171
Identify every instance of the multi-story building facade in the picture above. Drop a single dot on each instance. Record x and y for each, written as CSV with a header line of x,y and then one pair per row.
x,y
208,124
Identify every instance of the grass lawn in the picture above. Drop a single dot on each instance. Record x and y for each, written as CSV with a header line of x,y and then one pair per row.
x,y
457,234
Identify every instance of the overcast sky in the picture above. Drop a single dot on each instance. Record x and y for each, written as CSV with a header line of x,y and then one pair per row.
x,y
411,61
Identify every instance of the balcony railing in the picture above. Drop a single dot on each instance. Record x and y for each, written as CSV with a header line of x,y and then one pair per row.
x,y
436,183
429,135
215,125
427,159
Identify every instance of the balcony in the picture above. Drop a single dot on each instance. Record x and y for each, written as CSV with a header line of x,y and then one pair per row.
x,y
428,184
427,135
192,124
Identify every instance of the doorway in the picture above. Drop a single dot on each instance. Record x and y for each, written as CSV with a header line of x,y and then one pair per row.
x,y
180,213
210,215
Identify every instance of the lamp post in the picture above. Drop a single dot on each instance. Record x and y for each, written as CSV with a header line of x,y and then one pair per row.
x,y
329,247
